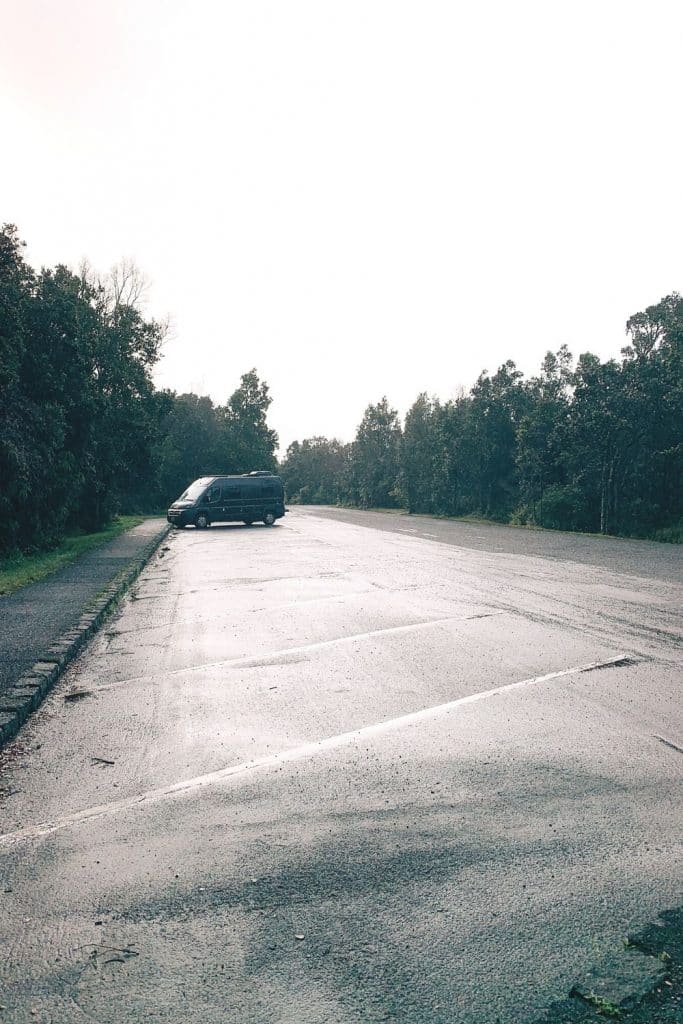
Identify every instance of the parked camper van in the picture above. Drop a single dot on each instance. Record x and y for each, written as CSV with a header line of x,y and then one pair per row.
x,y
251,497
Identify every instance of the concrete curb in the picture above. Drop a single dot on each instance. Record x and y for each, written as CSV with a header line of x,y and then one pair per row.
x,y
31,688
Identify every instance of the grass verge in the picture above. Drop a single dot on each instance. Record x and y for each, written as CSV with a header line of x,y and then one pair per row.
x,y
18,570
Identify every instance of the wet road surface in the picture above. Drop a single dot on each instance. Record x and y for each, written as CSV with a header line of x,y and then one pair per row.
x,y
322,772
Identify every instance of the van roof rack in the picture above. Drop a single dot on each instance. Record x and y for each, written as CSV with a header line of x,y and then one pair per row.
x,y
258,472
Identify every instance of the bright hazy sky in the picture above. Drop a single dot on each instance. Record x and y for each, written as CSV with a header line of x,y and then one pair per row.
x,y
356,197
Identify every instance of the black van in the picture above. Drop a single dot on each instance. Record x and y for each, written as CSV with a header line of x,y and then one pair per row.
x,y
229,499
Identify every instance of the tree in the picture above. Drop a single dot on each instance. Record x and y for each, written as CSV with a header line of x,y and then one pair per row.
x,y
659,325
17,457
542,432
498,404
247,442
453,485
418,453
314,471
125,349
652,488
75,400
187,444
376,457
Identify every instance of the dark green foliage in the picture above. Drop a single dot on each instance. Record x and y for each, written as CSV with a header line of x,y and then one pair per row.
x,y
316,471
75,364
246,439
497,407
196,438
562,507
541,440
375,458
187,444
596,447
83,434
418,454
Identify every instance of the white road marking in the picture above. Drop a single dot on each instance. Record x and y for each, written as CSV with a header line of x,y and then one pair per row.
x,y
259,659
287,756
668,743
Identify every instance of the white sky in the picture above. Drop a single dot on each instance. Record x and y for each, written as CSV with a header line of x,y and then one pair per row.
x,y
357,198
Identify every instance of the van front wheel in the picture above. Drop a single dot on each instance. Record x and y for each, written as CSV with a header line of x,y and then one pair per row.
x,y
202,521
269,519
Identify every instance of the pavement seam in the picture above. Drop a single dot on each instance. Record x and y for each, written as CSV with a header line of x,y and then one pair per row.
x,y
27,693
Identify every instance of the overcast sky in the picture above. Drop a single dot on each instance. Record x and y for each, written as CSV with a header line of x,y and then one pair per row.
x,y
356,198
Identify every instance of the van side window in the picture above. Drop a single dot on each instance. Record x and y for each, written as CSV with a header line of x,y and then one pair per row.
x,y
269,489
231,491
213,494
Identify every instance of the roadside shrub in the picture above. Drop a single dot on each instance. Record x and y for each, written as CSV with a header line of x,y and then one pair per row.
x,y
563,507
669,534
522,516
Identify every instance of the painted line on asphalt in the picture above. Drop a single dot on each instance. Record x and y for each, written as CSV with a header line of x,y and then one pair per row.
x,y
668,743
260,659
300,753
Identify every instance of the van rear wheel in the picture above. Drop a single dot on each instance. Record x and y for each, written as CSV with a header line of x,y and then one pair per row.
x,y
202,521
269,519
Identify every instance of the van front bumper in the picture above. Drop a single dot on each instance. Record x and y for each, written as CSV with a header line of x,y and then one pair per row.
x,y
177,517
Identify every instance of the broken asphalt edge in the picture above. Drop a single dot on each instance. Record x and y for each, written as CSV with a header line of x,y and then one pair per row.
x,y
637,973
31,688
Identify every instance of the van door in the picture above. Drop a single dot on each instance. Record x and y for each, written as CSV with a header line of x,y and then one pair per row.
x,y
232,500
214,500
251,500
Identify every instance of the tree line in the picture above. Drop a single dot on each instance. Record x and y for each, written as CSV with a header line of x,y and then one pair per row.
x,y
83,432
586,445
591,446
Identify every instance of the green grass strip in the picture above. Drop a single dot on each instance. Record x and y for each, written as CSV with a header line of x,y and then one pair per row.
x,y
18,570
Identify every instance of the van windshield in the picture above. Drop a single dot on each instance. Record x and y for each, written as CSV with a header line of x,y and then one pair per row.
x,y
195,489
